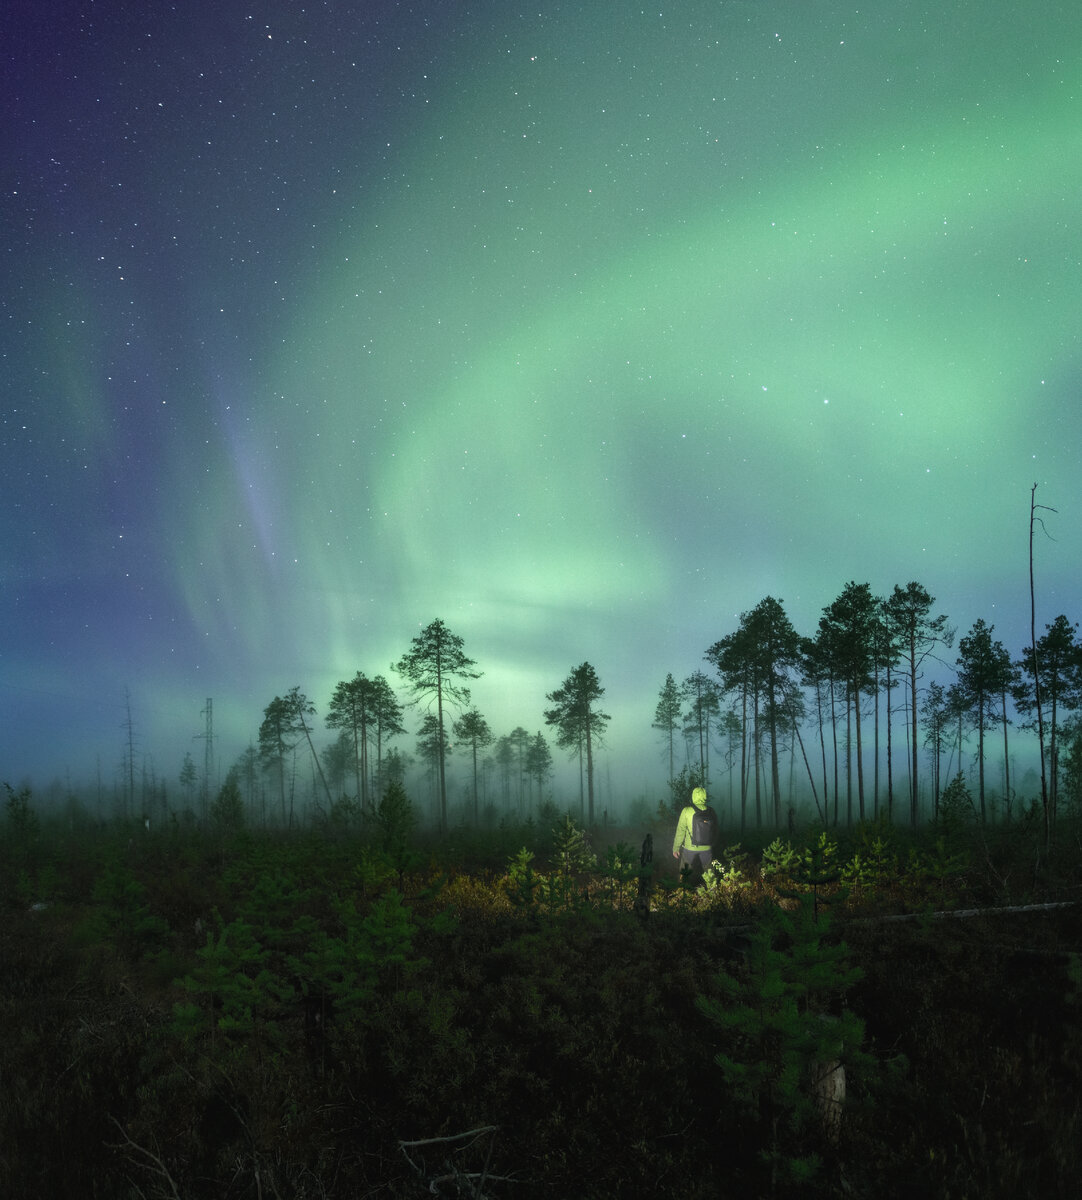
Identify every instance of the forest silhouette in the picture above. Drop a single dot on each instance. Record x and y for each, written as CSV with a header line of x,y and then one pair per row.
x,y
872,714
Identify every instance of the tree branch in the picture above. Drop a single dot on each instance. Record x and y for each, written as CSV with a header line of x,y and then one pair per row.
x,y
153,1164
474,1180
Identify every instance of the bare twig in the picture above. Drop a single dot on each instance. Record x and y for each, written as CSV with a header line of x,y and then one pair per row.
x,y
454,1137
151,1161
473,1180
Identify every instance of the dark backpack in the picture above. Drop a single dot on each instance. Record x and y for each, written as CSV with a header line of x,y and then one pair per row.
x,y
704,827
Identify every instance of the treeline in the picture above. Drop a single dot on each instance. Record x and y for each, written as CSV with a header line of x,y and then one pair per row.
x,y
829,702
840,726
351,776
842,717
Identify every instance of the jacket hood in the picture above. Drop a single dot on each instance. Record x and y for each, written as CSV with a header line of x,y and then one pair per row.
x,y
698,798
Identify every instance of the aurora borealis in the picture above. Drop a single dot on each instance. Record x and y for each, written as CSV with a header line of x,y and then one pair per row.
x,y
581,327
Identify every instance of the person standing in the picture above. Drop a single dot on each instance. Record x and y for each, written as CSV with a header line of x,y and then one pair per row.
x,y
696,832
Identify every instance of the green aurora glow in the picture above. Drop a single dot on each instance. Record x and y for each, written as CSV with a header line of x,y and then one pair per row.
x,y
606,326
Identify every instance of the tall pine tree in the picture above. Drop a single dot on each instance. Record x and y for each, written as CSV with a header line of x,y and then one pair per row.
x,y
578,722
433,667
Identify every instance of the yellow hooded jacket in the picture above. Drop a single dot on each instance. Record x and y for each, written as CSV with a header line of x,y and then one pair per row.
x,y
683,841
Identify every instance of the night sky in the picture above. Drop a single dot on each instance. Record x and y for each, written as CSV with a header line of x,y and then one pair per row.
x,y
582,327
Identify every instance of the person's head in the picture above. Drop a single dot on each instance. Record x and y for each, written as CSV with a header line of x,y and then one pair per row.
x,y
698,797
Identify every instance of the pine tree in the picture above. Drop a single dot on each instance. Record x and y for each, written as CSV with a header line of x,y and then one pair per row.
x,y
571,854
432,665
667,718
782,1025
522,880
350,711
539,763
188,777
701,693
277,739
227,810
984,675
848,627
1055,670
395,821
473,729
579,723
908,612
124,914
957,813
571,858
233,993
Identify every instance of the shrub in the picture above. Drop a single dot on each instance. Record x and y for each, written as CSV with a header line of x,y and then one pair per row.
x,y
779,1017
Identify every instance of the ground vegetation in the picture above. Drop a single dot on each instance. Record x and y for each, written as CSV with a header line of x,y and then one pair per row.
x,y
538,1008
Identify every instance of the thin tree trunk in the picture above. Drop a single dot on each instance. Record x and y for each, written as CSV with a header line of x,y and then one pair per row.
x,y
1006,761
589,769
860,754
980,753
890,755
913,729
834,736
1036,670
811,778
315,759
875,746
743,758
